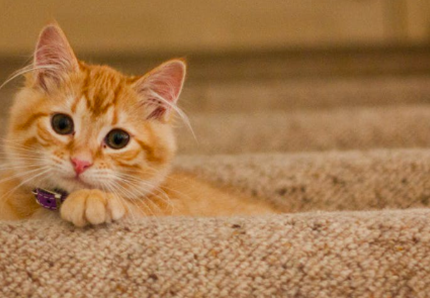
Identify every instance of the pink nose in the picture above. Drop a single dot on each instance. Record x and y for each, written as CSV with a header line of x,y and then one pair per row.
x,y
80,165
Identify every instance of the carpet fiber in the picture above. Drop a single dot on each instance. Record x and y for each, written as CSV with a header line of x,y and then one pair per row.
x,y
342,254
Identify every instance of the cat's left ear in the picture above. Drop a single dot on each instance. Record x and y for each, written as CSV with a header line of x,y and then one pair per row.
x,y
160,88
53,58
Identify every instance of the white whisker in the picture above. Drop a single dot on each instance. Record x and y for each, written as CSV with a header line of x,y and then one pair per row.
x,y
24,70
5,195
23,174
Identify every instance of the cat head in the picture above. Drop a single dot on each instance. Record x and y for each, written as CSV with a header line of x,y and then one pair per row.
x,y
75,125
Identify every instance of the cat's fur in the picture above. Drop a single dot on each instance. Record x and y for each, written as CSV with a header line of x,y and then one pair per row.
x,y
130,182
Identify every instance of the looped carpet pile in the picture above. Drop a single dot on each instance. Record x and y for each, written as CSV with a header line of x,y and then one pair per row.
x,y
351,172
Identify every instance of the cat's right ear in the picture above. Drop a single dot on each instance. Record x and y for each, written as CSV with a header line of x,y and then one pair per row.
x,y
53,58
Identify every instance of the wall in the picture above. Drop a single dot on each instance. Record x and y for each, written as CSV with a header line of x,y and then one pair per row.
x,y
112,26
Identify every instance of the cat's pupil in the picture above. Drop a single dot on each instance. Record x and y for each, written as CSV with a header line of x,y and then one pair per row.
x,y
117,139
63,124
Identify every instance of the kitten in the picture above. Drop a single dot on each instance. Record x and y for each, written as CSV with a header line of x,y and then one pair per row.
x,y
104,138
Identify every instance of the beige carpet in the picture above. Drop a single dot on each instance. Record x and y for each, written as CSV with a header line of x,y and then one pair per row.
x,y
342,254
348,161
333,129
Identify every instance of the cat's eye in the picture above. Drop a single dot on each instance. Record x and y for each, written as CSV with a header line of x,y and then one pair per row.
x,y
117,139
62,124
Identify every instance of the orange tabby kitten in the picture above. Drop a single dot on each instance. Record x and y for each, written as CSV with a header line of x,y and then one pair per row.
x,y
105,139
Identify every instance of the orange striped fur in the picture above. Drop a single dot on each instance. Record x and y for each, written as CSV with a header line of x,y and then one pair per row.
x,y
131,182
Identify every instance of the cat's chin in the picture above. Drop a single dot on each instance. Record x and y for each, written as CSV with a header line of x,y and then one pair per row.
x,y
73,184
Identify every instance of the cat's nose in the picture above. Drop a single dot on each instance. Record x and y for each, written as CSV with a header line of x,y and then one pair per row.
x,y
80,165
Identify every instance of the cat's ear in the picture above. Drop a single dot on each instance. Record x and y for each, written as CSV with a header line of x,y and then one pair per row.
x,y
53,58
159,89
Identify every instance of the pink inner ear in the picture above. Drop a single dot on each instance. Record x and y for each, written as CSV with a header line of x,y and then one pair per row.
x,y
166,81
161,88
53,55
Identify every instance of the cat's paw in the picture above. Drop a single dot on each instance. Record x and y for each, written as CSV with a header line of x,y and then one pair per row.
x,y
91,206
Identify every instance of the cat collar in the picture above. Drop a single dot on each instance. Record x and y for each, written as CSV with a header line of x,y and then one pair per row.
x,y
49,199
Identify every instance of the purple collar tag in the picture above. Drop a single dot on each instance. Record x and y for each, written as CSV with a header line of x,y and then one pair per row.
x,y
49,199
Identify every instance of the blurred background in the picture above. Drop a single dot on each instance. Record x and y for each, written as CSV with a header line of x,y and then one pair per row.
x,y
245,56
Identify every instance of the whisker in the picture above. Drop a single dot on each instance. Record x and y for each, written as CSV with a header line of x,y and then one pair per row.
x,y
17,167
22,148
114,192
164,197
140,195
10,192
142,181
25,70
23,174
145,199
24,158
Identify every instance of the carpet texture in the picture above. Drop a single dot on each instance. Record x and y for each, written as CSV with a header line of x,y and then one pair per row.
x,y
342,254
321,130
347,161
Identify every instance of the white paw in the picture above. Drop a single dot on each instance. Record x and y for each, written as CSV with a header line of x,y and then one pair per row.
x,y
92,206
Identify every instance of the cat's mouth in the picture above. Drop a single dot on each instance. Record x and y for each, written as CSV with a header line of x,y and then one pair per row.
x,y
79,181
76,182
